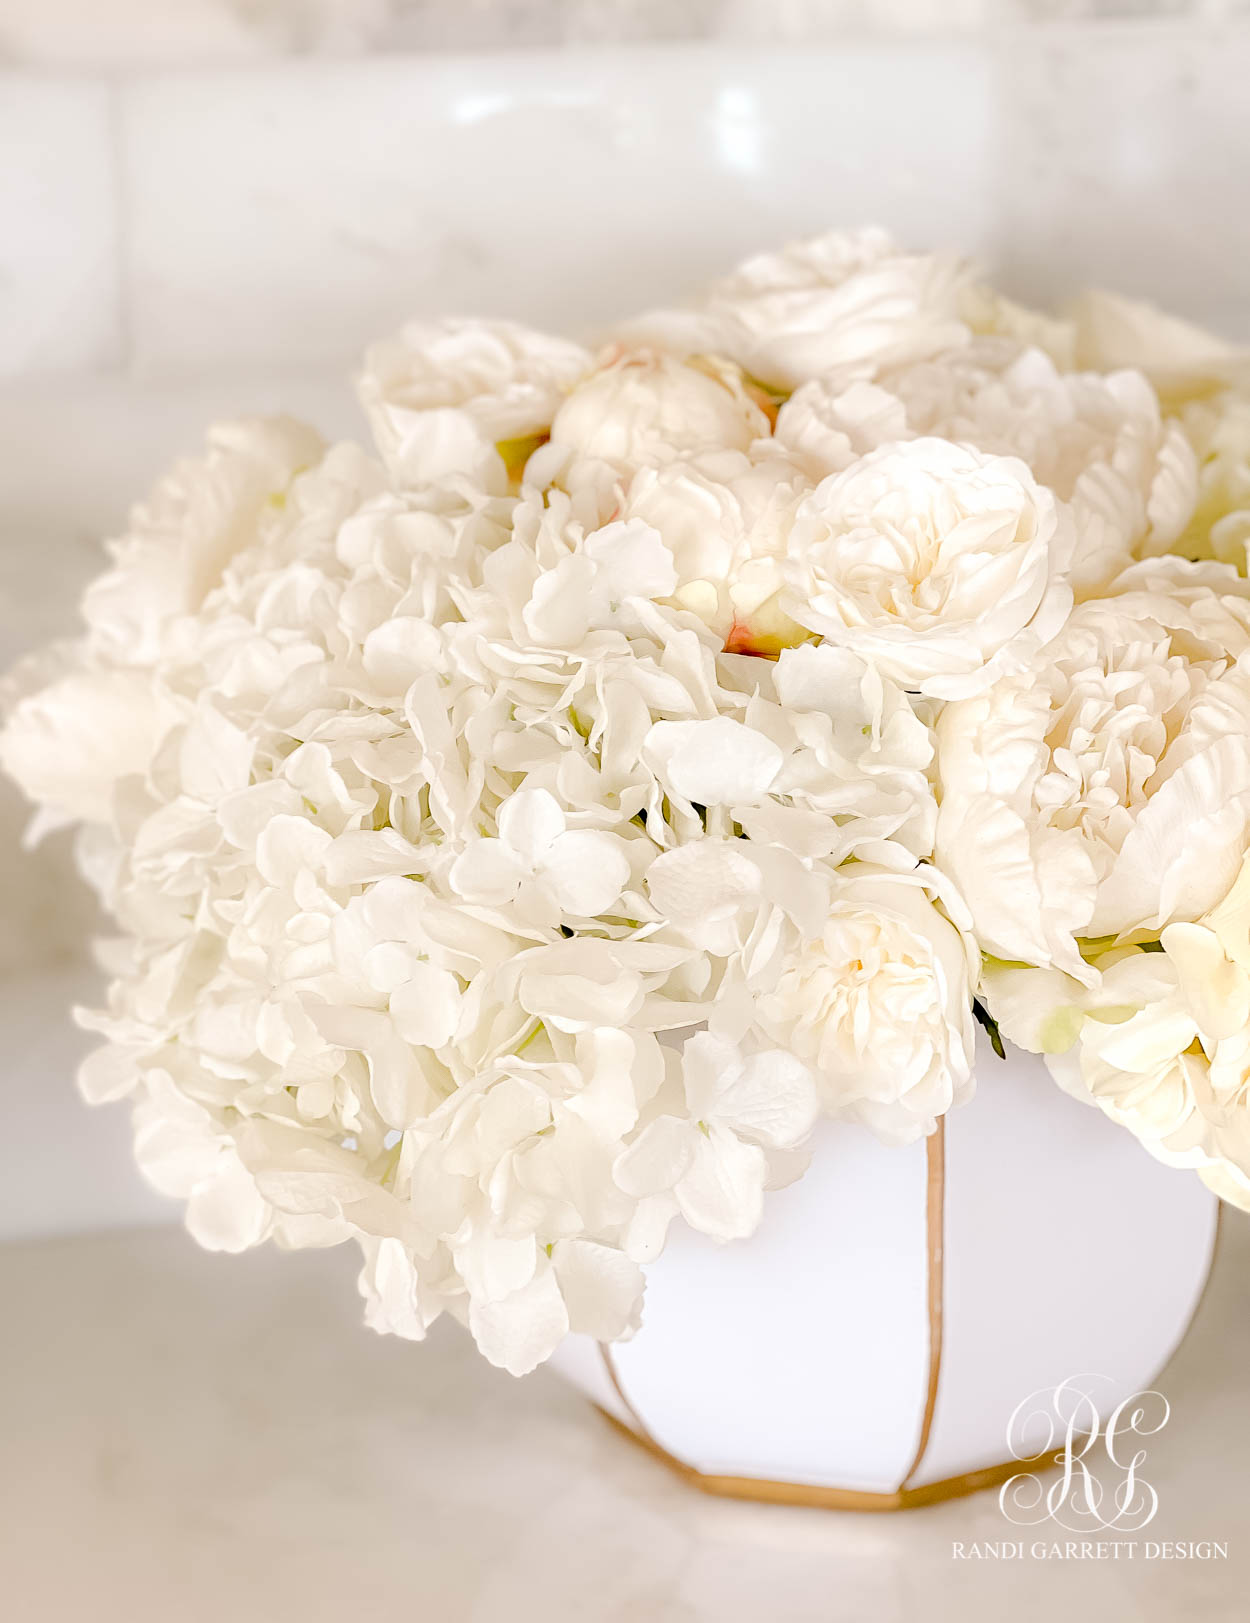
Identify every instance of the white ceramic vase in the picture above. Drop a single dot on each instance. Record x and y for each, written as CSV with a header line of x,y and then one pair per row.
x,y
867,1347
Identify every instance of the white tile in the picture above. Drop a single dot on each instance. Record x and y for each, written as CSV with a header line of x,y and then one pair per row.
x,y
288,215
1128,166
58,227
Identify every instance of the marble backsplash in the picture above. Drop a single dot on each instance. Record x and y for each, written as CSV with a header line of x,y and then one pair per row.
x,y
276,214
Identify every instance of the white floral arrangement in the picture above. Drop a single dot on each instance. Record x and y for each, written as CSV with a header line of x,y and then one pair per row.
x,y
519,835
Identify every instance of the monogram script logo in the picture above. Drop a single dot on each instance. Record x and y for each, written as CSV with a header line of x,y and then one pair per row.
x,y
1101,1485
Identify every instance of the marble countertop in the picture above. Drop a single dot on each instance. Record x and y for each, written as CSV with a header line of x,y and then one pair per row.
x,y
200,1438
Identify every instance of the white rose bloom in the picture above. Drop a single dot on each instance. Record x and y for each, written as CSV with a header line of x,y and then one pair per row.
x,y
1107,790
642,408
879,1004
443,398
839,305
944,567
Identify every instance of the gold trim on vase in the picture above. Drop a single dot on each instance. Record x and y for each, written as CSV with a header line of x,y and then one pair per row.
x,y
935,1250
906,1496
767,1491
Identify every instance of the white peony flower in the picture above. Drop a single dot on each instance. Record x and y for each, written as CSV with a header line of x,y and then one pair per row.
x,y
196,520
943,567
642,408
1218,429
1158,1042
1105,791
464,397
1098,442
826,428
1180,359
725,528
71,744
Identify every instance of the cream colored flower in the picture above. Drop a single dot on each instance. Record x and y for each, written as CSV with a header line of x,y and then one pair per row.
x,y
826,427
1182,360
879,1004
841,305
726,527
1158,1042
641,408
943,567
180,540
1218,428
442,398
1107,790
71,744
1099,442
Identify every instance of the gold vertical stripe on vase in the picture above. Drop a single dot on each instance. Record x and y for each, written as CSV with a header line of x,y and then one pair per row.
x,y
935,1247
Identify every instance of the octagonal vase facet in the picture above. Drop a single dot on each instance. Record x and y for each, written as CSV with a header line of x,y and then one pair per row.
x,y
867,1347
